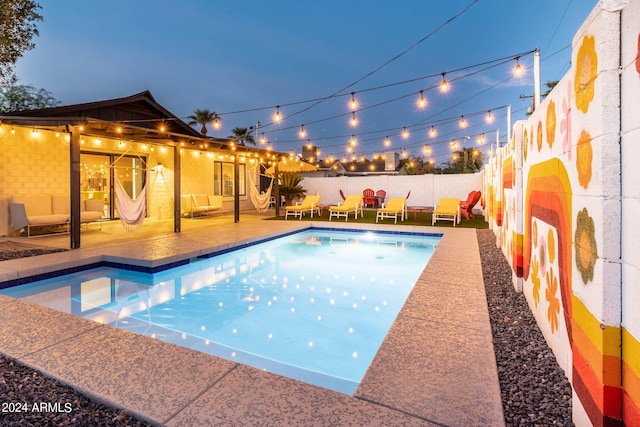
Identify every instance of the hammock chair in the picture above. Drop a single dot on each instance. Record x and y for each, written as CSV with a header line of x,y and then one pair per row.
x,y
131,211
261,200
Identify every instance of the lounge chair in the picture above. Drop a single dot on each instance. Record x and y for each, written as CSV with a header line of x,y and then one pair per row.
x,y
308,204
466,207
369,198
447,210
394,207
351,204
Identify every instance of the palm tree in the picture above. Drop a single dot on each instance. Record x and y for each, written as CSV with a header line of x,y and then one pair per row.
x,y
202,117
242,136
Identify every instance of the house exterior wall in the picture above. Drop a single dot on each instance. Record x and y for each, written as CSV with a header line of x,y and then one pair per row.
x,y
563,198
39,163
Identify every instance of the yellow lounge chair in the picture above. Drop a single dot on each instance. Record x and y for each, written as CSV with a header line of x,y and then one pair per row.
x,y
447,210
394,207
309,204
351,204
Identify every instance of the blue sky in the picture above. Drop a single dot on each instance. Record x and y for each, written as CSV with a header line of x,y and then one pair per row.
x,y
229,56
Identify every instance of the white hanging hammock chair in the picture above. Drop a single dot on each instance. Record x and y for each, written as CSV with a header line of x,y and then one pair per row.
x,y
131,211
261,200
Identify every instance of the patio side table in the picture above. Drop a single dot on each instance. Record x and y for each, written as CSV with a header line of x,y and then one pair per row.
x,y
418,209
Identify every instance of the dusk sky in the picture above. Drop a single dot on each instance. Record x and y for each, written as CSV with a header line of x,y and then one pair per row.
x,y
231,56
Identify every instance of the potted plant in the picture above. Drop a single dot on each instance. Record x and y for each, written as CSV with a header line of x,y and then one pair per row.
x,y
290,187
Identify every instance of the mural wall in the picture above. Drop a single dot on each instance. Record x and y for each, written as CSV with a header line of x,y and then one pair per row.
x,y
563,198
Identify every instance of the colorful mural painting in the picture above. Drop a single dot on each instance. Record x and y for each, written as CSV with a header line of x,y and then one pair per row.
x,y
555,197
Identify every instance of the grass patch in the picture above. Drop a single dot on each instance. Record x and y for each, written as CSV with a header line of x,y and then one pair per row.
x,y
423,219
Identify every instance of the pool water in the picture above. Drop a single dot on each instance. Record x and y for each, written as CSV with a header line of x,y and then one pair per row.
x,y
314,305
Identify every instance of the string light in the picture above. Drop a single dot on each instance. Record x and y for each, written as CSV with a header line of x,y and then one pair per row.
x,y
303,133
422,101
216,123
387,141
263,139
444,85
353,104
427,149
463,122
277,117
354,121
353,141
432,132
489,119
405,133
518,70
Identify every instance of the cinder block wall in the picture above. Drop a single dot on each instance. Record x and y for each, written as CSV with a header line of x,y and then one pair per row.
x,y
568,222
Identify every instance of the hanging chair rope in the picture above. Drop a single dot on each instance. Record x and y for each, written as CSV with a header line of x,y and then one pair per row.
x,y
261,200
131,211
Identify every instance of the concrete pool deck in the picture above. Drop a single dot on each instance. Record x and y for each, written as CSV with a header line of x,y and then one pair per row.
x,y
436,365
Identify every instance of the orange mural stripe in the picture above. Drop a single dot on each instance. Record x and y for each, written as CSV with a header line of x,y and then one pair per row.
x,y
630,411
631,382
631,351
589,379
607,341
605,367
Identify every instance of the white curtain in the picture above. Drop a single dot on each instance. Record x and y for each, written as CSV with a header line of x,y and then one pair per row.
x,y
260,200
131,211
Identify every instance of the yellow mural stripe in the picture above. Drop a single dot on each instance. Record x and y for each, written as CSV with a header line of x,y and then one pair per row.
x,y
631,351
606,340
606,368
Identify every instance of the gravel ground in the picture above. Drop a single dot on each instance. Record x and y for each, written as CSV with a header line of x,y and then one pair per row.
x,y
535,391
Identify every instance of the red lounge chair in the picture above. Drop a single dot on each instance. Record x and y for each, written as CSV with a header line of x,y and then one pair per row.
x,y
466,207
380,196
369,198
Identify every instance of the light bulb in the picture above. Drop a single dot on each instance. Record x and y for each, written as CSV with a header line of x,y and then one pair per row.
x,y
422,101
354,121
432,132
444,85
463,122
263,140
277,116
518,70
216,123
405,133
387,141
353,104
489,119
303,133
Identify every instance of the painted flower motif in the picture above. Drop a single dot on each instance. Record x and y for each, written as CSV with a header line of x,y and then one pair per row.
x,y
542,255
554,302
565,123
584,157
551,246
539,136
525,143
535,279
551,123
586,73
534,234
586,248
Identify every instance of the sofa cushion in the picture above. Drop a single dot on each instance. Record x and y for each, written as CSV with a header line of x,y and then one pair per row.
x,y
35,205
60,204
215,202
48,219
200,200
92,205
90,216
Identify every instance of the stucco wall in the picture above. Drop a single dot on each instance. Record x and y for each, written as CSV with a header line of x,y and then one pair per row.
x,y
425,190
563,201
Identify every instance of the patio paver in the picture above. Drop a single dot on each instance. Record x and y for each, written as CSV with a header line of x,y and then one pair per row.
x,y
435,367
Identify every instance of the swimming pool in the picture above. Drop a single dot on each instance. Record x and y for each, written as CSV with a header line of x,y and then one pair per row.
x,y
314,305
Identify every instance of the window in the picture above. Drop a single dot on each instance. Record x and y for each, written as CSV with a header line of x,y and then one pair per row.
x,y
223,179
